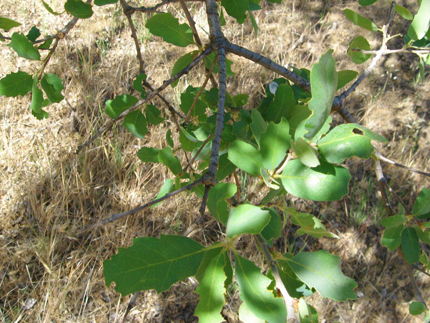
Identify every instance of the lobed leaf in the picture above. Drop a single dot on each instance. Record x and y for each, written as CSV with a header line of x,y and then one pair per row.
x,y
359,20
323,85
52,85
79,9
23,47
346,141
246,218
15,84
323,183
168,27
321,270
152,263
253,291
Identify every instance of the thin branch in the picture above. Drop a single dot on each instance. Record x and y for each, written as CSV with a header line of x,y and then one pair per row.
x,y
392,162
198,152
396,196
156,7
381,179
131,304
395,51
186,70
115,217
288,300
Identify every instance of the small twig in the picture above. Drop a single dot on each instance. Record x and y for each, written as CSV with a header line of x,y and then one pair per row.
x,y
204,200
208,75
396,51
186,70
392,162
288,300
156,7
396,196
381,179
198,152
131,304
115,217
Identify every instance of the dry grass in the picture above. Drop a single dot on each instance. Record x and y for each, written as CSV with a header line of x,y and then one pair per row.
x,y
48,193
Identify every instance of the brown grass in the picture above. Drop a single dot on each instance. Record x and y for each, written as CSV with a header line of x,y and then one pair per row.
x,y
48,193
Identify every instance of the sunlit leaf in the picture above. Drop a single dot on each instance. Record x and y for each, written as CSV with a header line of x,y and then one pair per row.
x,y
79,9
295,287
310,225
7,24
253,291
236,8
354,50
181,63
23,47
168,27
246,218
258,125
307,313
280,106
246,157
245,315
104,2
402,11
365,3
52,85
135,122
148,155
321,270
417,308
167,187
15,84
359,20
166,157
420,25
225,168
118,105
393,221
49,9
33,34
421,207
153,115
344,77
152,263
273,229
305,153
274,143
36,97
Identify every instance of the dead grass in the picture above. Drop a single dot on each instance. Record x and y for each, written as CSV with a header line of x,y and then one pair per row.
x,y
47,193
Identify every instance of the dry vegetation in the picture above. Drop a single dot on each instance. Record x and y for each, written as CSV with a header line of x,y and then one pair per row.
x,y
50,273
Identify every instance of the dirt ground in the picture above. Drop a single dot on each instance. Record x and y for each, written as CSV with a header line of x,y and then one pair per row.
x,y
51,273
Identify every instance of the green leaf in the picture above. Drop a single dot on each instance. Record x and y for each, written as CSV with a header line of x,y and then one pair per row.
x,y
305,153
410,245
52,85
253,22
310,225
236,8
323,85
402,11
211,290
356,45
307,313
323,183
33,34
421,207
258,125
45,44
246,218
7,24
344,77
135,122
392,237
245,315
167,26
246,157
301,130
188,142
360,20
167,187
169,138
138,84
393,221
291,282
152,263
240,100
166,157
49,9
253,291
281,105
23,47
153,115
104,2
365,3
346,141
187,100
423,234
209,61
420,24
321,270
79,9
36,98
217,204
298,115
225,168
118,105
148,155
273,229
15,84
417,308
181,63
274,143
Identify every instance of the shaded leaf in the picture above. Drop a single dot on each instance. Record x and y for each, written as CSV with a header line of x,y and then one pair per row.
x,y
417,308
344,77
211,290
246,157
246,218
359,20
291,282
148,155
168,27
253,291
421,207
15,84
307,313
393,221
167,187
181,63
281,105
23,47
169,138
273,229
217,204
118,105
138,84
365,3
52,85
423,234
258,125
152,263
392,237
275,142
104,2
153,115
135,122
236,8
166,157
225,168
310,225
323,85
321,270
410,245
79,9
354,50
346,141
208,60
323,183
305,153
33,34
7,24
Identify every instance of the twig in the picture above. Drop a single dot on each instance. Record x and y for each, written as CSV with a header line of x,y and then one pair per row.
x,y
288,300
198,152
156,7
395,51
381,178
131,304
396,196
392,162
186,70
115,217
